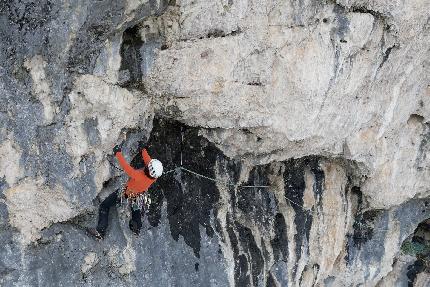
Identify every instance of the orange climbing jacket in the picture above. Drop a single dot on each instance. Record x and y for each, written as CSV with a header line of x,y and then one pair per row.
x,y
139,181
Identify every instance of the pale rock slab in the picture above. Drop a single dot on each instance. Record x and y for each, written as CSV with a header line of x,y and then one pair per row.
x,y
41,86
10,168
33,206
113,108
396,277
422,280
331,225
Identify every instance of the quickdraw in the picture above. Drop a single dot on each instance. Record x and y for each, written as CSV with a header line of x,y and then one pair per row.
x,y
136,202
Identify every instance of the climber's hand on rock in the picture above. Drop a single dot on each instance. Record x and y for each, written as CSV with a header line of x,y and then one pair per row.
x,y
142,145
116,149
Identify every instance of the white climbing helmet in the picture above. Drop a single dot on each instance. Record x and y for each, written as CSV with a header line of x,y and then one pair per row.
x,y
155,168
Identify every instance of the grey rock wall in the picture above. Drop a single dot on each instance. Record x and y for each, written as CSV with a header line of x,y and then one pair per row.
x,y
322,104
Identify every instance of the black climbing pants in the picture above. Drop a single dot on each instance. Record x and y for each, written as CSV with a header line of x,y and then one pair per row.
x,y
114,198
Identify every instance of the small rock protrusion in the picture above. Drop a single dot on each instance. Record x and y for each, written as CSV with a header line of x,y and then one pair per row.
x,y
90,261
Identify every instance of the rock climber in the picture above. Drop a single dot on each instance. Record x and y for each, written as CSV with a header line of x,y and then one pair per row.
x,y
139,182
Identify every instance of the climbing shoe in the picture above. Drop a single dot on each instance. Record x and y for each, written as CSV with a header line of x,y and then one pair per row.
x,y
94,233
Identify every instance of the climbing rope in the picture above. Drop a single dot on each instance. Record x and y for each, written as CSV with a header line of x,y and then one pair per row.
x,y
374,231
146,201
220,181
216,180
230,184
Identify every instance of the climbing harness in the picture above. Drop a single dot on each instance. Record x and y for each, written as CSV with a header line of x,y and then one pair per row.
x,y
136,202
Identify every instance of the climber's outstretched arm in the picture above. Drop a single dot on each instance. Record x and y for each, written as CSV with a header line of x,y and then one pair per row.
x,y
145,156
131,172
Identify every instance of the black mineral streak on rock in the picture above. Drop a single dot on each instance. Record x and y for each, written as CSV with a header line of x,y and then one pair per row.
x,y
363,236
363,222
250,247
270,281
417,245
240,262
233,239
257,203
241,271
413,270
280,241
189,198
294,190
386,55
363,226
319,179
217,33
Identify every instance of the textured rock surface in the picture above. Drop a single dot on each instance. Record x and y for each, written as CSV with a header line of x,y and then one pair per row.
x,y
335,79
324,103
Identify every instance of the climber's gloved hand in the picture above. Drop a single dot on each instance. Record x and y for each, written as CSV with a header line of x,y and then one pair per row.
x,y
142,145
116,149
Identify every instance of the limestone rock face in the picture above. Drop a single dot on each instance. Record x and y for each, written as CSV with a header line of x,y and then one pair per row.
x,y
333,79
295,137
